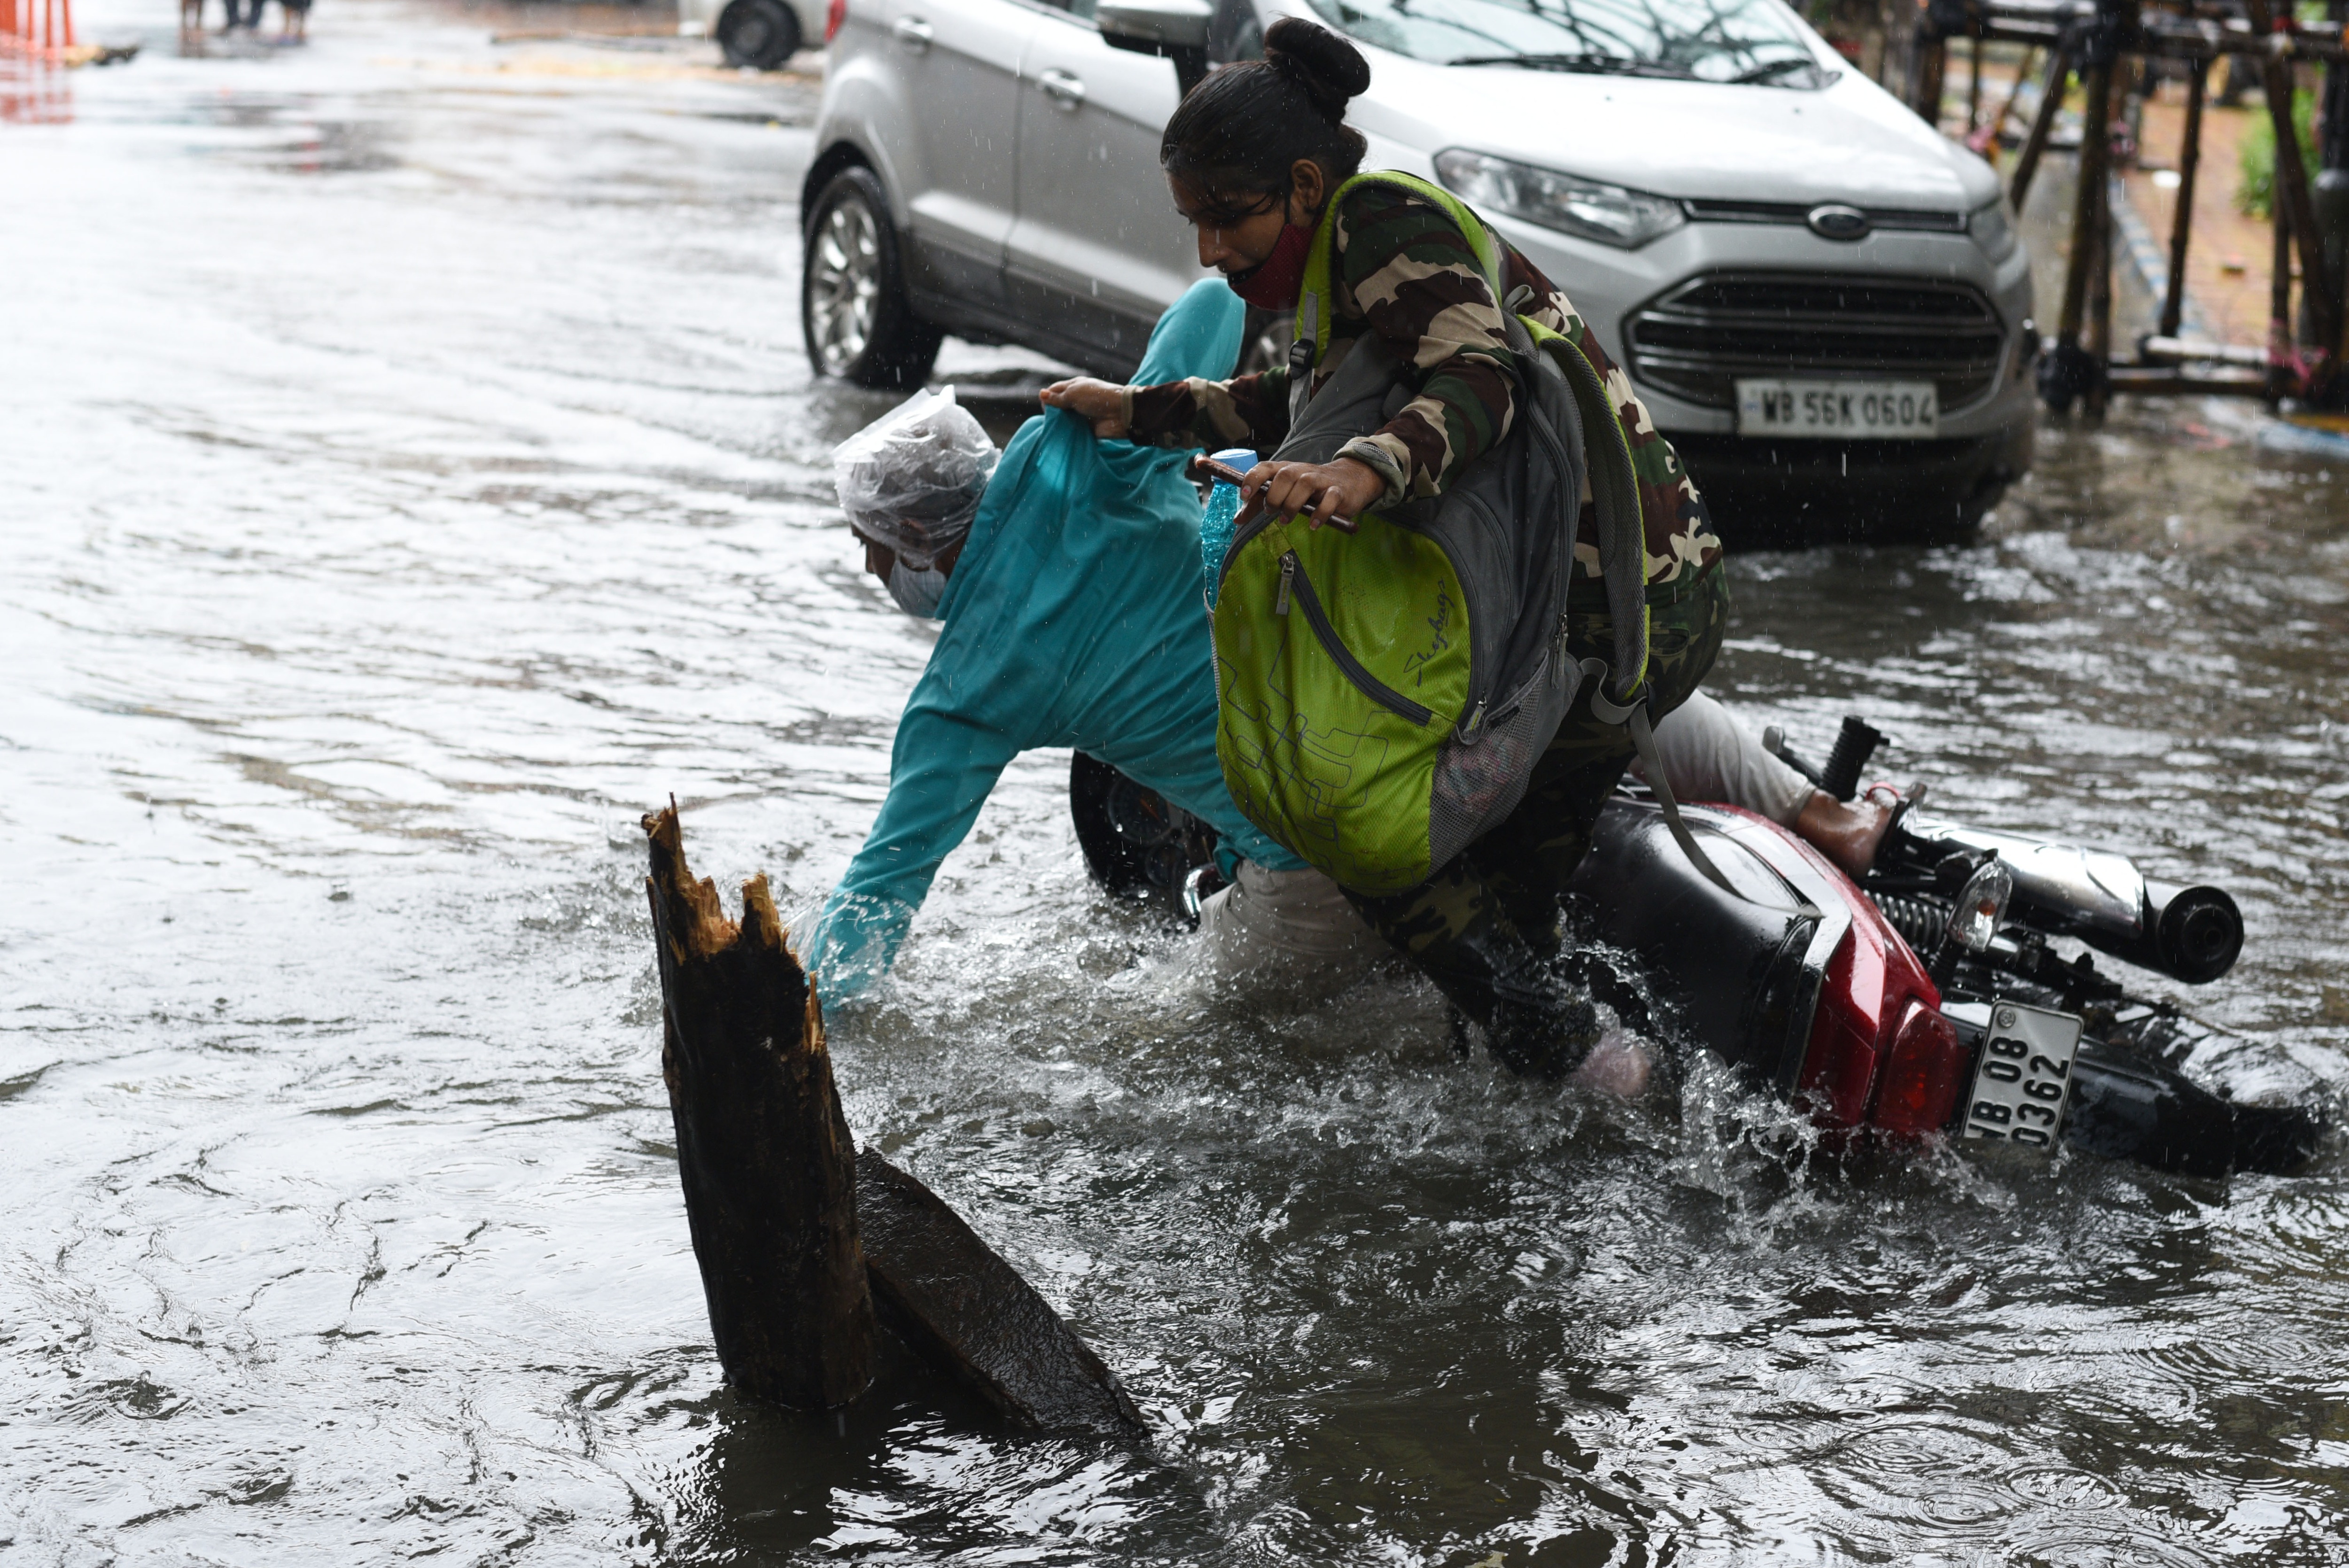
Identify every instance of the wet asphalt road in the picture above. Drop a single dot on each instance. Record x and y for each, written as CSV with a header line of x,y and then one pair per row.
x,y
412,474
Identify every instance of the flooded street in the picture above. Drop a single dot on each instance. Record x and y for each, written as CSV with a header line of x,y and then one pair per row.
x,y
413,475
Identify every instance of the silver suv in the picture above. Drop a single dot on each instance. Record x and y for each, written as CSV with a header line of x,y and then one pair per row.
x,y
1823,301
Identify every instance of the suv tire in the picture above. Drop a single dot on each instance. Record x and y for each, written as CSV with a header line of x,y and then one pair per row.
x,y
1265,340
854,311
760,33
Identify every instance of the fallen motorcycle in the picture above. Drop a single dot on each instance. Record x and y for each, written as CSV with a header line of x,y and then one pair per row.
x,y
1927,999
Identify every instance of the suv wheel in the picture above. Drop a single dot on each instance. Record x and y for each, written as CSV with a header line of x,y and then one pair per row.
x,y
1265,340
853,305
761,33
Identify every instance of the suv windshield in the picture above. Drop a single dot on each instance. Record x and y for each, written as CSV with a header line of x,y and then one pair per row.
x,y
1698,40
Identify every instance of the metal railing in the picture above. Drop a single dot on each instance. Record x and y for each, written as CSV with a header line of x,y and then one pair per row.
x,y
2095,44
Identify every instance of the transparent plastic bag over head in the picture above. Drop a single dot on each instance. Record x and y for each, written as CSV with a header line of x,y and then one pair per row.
x,y
912,480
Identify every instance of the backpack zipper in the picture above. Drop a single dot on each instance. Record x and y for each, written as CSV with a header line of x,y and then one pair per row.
x,y
1256,525
1352,668
1477,725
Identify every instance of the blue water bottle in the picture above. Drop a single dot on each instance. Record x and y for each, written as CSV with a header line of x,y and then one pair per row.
x,y
1223,506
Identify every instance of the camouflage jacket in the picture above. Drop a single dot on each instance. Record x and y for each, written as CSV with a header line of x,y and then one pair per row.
x,y
1401,269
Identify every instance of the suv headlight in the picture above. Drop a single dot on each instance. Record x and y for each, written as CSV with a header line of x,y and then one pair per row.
x,y
1567,203
1993,227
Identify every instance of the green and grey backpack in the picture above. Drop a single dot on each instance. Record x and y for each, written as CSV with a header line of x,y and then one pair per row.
x,y
1382,697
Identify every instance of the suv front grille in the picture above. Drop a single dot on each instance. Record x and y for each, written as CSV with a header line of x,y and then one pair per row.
x,y
1799,215
1696,341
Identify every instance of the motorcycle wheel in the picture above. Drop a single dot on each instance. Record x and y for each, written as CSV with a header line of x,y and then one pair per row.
x,y
1137,843
2127,1107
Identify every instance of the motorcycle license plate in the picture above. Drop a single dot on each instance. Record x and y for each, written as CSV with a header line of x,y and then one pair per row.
x,y
1877,410
2023,1080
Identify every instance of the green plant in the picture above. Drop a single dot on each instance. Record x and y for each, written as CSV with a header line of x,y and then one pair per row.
x,y
2255,161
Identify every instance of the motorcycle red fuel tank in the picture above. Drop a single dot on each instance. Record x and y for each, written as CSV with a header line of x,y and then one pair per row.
x,y
1796,979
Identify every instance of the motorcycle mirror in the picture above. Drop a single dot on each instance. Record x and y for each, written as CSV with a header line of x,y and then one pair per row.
x,y
1981,906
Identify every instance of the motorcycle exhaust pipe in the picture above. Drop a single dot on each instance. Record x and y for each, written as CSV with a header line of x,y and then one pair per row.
x,y
2191,933
2194,934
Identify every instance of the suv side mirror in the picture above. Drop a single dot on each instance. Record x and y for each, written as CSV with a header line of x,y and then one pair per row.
x,y
1172,29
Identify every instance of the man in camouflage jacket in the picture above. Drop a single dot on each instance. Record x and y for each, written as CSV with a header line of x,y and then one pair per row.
x,y
1400,268
1485,928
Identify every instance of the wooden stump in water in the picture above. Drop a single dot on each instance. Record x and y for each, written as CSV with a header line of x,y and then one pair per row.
x,y
774,1185
762,1150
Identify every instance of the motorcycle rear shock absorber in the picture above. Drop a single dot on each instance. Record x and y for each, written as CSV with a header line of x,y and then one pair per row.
x,y
1919,918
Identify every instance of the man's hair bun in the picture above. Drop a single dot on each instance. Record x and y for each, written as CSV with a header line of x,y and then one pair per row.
x,y
1238,134
1328,69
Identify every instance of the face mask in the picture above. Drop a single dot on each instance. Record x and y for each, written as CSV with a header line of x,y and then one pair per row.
x,y
1273,282
917,593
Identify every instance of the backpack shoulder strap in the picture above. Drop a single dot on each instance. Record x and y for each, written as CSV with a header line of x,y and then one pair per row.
x,y
1622,536
1615,496
1313,300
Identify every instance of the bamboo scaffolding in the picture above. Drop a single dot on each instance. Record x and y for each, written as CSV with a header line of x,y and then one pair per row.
x,y
2103,43
2181,220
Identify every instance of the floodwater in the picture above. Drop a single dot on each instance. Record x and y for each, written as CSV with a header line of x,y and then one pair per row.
x,y
412,474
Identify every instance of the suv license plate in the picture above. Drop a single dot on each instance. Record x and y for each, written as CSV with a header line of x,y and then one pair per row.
x,y
2024,1081
1880,410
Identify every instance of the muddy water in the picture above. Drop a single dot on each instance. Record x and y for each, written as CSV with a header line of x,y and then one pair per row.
x,y
412,474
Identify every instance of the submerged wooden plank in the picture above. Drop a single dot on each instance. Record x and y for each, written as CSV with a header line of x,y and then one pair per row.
x,y
762,1148
954,1299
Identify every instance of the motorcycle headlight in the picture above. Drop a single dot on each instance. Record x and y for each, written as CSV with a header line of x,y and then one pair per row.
x,y
1586,209
1993,230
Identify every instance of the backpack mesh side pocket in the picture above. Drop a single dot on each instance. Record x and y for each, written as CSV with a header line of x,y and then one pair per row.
x,y
1477,785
